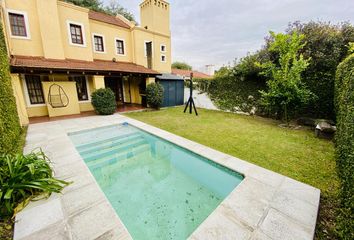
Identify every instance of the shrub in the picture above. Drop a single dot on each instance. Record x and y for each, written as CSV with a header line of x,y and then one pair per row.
x,y
104,101
344,143
286,92
154,95
10,128
24,177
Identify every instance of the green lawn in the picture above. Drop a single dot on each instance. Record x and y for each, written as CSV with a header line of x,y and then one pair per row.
x,y
294,153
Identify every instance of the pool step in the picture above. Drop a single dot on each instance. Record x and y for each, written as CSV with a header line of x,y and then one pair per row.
x,y
115,157
110,144
121,137
112,150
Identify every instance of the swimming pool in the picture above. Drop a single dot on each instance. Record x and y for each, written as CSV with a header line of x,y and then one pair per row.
x,y
158,189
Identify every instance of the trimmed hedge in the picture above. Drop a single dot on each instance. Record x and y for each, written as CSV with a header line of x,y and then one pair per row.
x,y
10,129
104,101
344,142
154,95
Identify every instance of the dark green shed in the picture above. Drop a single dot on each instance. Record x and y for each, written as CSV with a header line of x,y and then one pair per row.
x,y
173,89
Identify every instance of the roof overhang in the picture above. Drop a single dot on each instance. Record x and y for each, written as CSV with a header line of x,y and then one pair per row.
x,y
25,64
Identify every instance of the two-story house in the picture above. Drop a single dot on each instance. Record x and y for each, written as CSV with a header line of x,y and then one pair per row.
x,y
60,53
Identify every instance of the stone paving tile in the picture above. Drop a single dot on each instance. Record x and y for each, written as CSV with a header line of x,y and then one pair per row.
x,y
220,226
261,174
259,235
301,211
249,194
57,231
278,226
82,198
300,190
94,222
39,217
115,234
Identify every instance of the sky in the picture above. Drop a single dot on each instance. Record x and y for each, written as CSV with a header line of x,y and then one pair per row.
x,y
218,31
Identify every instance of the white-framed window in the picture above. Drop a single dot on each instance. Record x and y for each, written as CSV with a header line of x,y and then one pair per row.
x,y
18,24
76,34
33,90
98,43
82,87
163,48
145,48
163,58
120,46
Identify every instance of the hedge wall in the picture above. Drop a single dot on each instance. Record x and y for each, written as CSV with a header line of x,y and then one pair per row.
x,y
344,142
10,128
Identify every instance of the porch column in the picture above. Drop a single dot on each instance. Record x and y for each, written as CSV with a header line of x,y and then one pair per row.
x,y
98,82
150,80
20,99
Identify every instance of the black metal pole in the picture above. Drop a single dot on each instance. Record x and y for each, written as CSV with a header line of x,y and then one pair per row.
x,y
190,100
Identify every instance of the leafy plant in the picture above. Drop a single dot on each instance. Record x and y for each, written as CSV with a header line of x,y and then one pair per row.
x,y
154,95
104,101
344,143
113,7
286,92
23,178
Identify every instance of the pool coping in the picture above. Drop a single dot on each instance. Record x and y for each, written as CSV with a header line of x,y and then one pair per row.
x,y
265,205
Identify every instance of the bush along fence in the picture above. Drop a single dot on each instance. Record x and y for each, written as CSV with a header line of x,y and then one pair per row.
x,y
344,142
10,128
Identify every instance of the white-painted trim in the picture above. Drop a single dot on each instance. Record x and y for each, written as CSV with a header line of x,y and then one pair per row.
x,y
93,42
25,90
68,22
27,26
152,48
124,46
163,45
163,55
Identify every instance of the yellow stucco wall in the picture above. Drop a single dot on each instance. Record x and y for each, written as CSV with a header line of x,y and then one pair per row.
x,y
70,90
110,33
49,23
69,13
20,101
33,45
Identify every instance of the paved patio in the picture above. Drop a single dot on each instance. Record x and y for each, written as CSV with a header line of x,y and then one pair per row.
x,y
265,205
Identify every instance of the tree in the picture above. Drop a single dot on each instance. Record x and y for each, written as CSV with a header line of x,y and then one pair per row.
x,y
95,5
286,91
181,65
327,46
113,8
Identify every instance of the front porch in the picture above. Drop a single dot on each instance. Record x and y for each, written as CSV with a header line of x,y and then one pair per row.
x,y
47,90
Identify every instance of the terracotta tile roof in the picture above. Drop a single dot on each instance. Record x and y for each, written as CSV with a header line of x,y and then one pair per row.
x,y
187,73
102,17
78,65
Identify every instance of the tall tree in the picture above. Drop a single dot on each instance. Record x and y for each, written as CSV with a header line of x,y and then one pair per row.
x,y
286,91
113,7
181,65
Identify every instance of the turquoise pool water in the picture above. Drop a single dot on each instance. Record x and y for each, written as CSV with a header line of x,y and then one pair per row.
x,y
159,190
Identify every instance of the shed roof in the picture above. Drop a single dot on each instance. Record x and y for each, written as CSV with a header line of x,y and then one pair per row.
x,y
167,76
187,73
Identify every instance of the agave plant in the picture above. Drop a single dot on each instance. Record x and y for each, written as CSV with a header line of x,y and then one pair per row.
x,y
23,178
